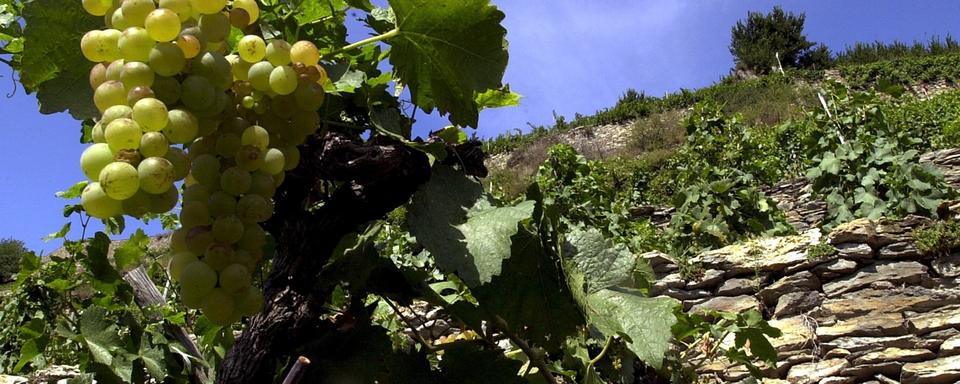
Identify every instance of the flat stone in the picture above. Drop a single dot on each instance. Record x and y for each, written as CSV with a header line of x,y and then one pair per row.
x,y
811,373
837,267
950,347
899,251
797,334
682,294
910,298
711,278
796,303
854,251
836,380
736,287
903,272
863,371
660,262
886,324
933,340
6,379
800,282
737,304
857,343
673,280
948,266
773,254
943,370
857,231
934,321
893,231
895,354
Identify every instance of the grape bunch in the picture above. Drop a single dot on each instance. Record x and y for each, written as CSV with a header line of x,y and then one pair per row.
x,y
177,105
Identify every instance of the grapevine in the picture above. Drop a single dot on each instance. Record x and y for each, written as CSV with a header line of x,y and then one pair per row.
x,y
175,107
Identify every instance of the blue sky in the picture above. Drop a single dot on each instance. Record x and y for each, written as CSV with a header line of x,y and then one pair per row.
x,y
566,56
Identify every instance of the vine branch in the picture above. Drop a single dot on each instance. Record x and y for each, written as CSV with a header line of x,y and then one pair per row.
x,y
533,355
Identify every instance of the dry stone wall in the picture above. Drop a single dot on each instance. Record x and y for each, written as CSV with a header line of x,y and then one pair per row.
x,y
873,311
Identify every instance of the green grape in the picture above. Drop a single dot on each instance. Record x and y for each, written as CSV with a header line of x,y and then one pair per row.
x,y
201,146
227,229
167,89
253,10
283,80
195,214
182,8
249,301
218,305
116,112
249,158
180,161
209,125
218,256
278,53
178,241
189,45
291,157
179,261
222,204
136,74
182,127
108,94
220,101
115,69
94,158
129,156
227,145
139,93
215,26
254,209
137,205
199,239
207,7
136,11
196,192
304,52
248,102
259,76
252,49
96,46
97,204
122,134
235,126
164,202
117,20
197,93
256,136
135,44
244,258
283,106
156,175
111,38
151,114
167,59
97,7
278,179
309,96
197,279
206,170
273,161
254,238
97,134
98,75
305,124
215,68
261,183
163,25
120,181
239,18
235,181
239,68
234,278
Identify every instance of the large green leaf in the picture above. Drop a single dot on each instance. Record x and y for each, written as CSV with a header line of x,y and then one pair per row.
x,y
131,251
52,64
310,11
100,335
468,363
645,321
602,263
458,224
447,52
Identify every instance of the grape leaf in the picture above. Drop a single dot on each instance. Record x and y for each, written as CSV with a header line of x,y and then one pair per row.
x,y
603,264
458,224
463,360
100,335
52,64
131,251
310,11
645,321
447,52
498,98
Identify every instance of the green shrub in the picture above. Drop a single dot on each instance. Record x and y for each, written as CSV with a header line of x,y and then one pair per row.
x,y
938,239
11,251
755,42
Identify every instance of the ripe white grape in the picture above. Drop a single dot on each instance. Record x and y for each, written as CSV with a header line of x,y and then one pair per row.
x,y
249,158
197,93
151,114
309,96
256,136
259,76
235,181
199,239
261,183
278,53
97,7
129,156
154,144
180,260
98,75
234,278
251,48
123,134
108,94
117,20
218,306
254,209
283,80
227,229
198,279
215,26
164,202
182,126
239,68
178,241
244,258
215,68
222,204
227,145
181,7
218,256
305,124
291,156
180,161
167,89
196,192
139,93
189,45
97,204
136,74
114,69
305,52
137,205
116,112
253,10
249,301
206,170
119,180
156,175
239,18
135,44
97,133
163,25
100,46
167,59
273,161
94,158
207,7
135,11
283,106
195,214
